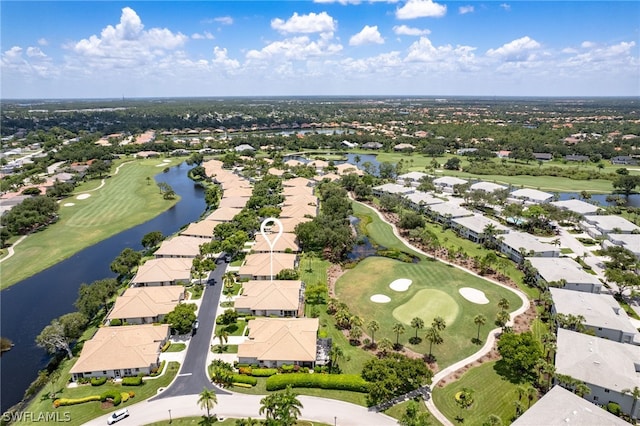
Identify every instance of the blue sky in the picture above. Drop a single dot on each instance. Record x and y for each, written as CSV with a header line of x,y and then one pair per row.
x,y
106,49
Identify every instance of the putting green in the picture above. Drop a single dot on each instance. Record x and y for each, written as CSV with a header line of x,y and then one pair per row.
x,y
428,304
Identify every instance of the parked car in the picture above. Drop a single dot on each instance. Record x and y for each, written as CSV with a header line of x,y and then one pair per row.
x,y
116,416
194,328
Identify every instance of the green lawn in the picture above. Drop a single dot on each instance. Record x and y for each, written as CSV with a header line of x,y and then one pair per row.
x,y
434,292
189,421
82,413
125,200
398,410
492,395
176,347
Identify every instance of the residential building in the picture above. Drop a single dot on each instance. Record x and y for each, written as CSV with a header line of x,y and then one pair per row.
x,y
121,351
530,196
347,169
412,178
372,145
574,157
556,269
146,305
624,160
516,244
607,367
271,298
165,271
404,147
289,224
577,206
598,225
418,200
202,229
629,241
223,214
179,246
274,342
602,314
446,212
473,227
299,210
287,243
560,407
487,187
447,183
258,266
543,156
392,188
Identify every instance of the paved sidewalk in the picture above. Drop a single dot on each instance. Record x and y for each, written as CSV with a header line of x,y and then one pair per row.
x,y
236,405
490,339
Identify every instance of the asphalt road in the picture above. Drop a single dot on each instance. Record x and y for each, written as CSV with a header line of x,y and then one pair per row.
x,y
192,377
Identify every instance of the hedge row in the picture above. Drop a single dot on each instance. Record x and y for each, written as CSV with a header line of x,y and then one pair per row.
x,y
113,395
241,385
73,401
348,382
98,381
132,381
240,378
263,372
156,371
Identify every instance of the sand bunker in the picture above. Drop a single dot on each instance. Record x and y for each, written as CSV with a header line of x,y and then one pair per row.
x,y
380,298
166,161
69,204
401,284
83,196
473,295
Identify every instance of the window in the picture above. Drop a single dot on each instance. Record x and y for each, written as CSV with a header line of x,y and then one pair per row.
x,y
104,371
595,398
606,391
137,369
127,371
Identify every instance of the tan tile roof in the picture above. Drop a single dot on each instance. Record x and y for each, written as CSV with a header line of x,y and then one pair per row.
x,y
182,245
318,164
286,241
281,339
275,172
270,295
299,210
329,176
289,224
212,167
347,168
203,228
293,200
224,214
258,264
299,181
144,302
163,270
292,163
297,190
233,202
237,192
132,346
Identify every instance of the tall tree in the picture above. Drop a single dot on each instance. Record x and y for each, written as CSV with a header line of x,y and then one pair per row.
x,y
207,400
373,326
479,320
398,329
125,262
418,324
281,408
152,239
62,332
434,337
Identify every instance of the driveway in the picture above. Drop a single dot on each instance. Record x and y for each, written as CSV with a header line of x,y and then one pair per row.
x,y
192,377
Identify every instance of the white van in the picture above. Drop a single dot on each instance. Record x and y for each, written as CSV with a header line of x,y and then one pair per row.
x,y
116,416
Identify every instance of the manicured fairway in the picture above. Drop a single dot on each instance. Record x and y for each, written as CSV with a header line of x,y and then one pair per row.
x,y
434,292
126,200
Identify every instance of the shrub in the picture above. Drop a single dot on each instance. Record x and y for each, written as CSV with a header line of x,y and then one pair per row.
x,y
248,380
62,402
98,381
245,370
166,345
124,396
132,381
348,382
115,322
83,380
263,372
131,394
286,368
156,371
614,408
242,385
113,395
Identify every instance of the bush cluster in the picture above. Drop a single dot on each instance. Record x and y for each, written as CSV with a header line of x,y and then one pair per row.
x,y
113,395
62,402
166,345
264,372
132,381
124,396
348,382
156,371
241,378
98,381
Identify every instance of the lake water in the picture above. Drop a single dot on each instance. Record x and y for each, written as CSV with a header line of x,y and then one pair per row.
x,y
28,306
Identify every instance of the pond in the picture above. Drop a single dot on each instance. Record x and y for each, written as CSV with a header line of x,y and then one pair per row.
x,y
28,306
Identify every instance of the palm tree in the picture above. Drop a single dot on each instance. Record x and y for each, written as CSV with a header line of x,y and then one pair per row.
x,y
222,335
582,389
439,323
228,281
247,422
334,354
418,324
493,420
531,393
433,336
399,329
503,304
479,320
385,345
356,321
281,408
373,326
221,372
489,232
355,334
502,318
635,393
519,408
207,400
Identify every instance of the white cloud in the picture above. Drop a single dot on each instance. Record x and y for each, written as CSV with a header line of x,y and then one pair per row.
x,y
368,35
220,57
296,48
463,10
224,20
587,44
621,52
446,56
43,42
35,52
410,31
128,43
204,36
506,6
421,9
386,62
518,50
12,56
345,2
311,23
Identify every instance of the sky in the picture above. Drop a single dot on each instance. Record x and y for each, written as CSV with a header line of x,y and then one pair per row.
x,y
109,49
